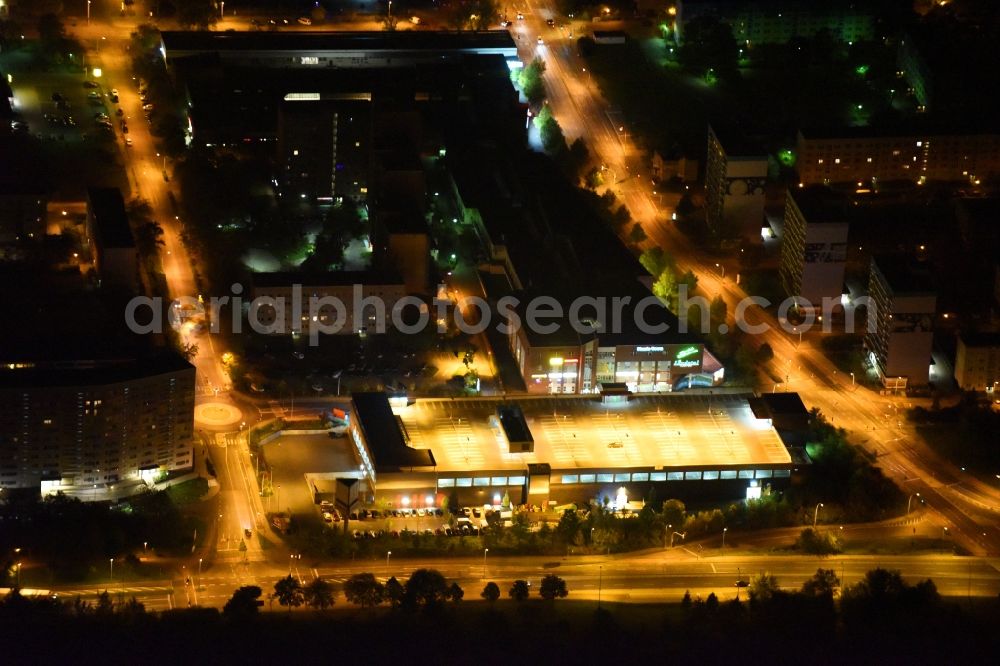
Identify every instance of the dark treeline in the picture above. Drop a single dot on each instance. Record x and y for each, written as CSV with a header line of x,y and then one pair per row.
x,y
879,619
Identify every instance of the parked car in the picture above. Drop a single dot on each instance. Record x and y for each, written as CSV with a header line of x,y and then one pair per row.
x,y
305,21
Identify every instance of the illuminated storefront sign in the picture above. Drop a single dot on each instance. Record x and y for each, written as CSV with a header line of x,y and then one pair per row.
x,y
685,352
648,350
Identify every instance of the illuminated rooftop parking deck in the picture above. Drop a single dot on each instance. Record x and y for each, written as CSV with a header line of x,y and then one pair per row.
x,y
650,432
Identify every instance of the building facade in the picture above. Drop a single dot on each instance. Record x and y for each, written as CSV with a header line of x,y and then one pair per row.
x,y
779,21
900,322
813,247
23,215
346,302
324,143
977,362
865,158
735,177
95,424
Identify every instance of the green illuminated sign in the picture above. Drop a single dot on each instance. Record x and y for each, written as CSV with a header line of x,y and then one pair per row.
x,y
685,352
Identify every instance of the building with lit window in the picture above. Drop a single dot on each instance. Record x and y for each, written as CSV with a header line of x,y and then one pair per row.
x,y
735,177
322,50
864,158
779,21
814,245
347,302
900,321
324,144
977,362
654,358
84,427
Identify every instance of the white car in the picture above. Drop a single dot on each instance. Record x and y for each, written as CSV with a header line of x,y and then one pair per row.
x,y
305,21
128,141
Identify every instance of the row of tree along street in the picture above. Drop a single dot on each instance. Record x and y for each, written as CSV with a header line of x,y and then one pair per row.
x,y
425,588
881,617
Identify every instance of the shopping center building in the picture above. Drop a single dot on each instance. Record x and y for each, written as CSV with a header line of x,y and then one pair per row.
x,y
543,450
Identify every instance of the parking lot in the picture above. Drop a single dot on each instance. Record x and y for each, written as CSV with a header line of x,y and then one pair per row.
x,y
58,106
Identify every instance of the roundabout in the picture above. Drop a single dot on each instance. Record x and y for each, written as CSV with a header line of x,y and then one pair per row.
x,y
217,414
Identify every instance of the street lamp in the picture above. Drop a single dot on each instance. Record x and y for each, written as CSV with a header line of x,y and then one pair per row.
x,y
816,513
909,501
112,561
485,550
852,379
88,12
683,535
387,554
222,9
724,530
144,544
722,269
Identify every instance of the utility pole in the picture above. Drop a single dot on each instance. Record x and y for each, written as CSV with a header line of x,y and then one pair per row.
x,y
600,585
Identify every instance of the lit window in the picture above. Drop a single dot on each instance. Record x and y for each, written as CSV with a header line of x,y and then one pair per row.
x,y
295,152
820,160
836,161
570,478
919,143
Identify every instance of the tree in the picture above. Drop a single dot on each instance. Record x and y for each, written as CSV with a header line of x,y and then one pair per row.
x,y
818,543
822,584
717,310
686,600
394,592
674,513
288,592
709,45
568,527
665,287
364,590
763,587
243,603
199,14
455,592
483,14
518,590
712,602
51,31
689,279
637,234
491,592
531,82
656,260
550,132
552,587
318,594
426,587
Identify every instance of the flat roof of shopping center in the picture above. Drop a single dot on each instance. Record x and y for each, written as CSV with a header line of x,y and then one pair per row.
x,y
579,432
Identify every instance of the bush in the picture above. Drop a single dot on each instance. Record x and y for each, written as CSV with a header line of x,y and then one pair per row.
x,y
815,542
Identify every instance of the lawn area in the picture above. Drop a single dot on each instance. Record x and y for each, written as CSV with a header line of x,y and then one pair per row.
x,y
188,492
